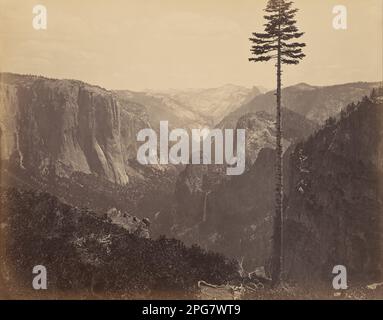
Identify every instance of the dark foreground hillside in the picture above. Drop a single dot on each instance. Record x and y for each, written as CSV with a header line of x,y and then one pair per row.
x,y
86,256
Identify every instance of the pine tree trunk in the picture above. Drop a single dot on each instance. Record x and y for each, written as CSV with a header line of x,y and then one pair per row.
x,y
278,219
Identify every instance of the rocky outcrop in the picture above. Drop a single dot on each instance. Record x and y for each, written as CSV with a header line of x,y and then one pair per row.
x,y
140,228
57,127
260,131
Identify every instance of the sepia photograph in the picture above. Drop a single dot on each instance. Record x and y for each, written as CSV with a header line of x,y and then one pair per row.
x,y
191,150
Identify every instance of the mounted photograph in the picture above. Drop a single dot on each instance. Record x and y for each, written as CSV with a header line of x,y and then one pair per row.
x,y
191,150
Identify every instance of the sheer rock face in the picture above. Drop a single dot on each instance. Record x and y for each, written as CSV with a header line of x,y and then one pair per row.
x,y
62,126
334,206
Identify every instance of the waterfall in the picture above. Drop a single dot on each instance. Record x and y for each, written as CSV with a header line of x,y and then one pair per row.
x,y
21,157
204,206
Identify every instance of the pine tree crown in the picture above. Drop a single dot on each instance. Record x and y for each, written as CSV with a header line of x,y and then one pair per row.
x,y
280,33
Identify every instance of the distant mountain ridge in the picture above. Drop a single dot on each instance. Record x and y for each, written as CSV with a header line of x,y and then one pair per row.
x,y
191,108
214,103
316,103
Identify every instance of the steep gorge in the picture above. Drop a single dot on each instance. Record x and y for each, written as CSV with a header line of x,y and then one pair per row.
x,y
233,215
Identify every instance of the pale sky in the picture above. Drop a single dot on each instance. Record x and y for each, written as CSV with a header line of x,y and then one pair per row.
x,y
161,44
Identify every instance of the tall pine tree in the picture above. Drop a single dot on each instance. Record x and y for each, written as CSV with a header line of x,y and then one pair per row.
x,y
278,43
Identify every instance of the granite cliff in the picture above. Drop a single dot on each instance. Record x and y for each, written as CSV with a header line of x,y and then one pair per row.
x,y
64,126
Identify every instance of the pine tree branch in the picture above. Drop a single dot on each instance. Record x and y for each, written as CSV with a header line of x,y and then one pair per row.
x,y
263,35
260,59
294,56
259,50
289,61
263,42
293,45
291,51
290,36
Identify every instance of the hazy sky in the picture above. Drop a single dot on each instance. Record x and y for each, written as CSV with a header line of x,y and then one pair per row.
x,y
158,44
